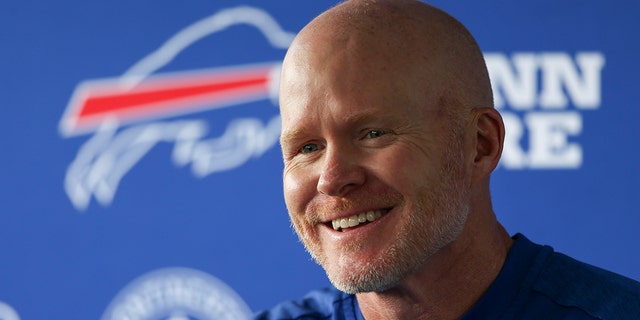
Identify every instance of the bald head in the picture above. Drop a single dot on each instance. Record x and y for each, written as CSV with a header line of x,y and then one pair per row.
x,y
417,45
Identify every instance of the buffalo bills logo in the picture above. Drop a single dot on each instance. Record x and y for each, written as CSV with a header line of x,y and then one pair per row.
x,y
128,115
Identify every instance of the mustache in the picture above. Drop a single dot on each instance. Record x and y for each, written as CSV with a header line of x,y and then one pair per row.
x,y
320,210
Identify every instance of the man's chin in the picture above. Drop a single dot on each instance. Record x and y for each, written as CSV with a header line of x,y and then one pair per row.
x,y
367,280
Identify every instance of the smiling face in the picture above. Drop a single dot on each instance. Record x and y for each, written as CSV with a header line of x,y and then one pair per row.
x,y
374,177
375,105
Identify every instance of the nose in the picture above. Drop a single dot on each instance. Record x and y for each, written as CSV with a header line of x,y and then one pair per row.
x,y
341,172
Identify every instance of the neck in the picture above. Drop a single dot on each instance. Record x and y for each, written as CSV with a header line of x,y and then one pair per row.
x,y
451,281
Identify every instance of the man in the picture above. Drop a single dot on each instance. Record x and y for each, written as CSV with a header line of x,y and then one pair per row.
x,y
389,137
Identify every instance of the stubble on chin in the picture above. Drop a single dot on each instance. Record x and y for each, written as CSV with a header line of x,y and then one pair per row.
x,y
410,248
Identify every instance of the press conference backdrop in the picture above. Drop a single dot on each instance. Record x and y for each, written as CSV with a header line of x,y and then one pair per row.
x,y
141,174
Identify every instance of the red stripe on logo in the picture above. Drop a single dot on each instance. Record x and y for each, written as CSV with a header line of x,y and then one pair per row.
x,y
161,96
147,97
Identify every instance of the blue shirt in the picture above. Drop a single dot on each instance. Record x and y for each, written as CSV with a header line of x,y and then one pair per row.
x,y
534,283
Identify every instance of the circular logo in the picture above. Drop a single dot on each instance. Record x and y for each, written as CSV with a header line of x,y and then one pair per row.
x,y
7,313
177,294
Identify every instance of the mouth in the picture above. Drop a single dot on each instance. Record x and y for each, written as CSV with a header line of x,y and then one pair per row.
x,y
356,220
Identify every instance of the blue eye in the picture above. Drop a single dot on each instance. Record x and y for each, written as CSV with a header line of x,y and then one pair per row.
x,y
375,133
308,148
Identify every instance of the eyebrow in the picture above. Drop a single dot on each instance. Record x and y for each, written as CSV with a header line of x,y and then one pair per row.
x,y
290,136
293,135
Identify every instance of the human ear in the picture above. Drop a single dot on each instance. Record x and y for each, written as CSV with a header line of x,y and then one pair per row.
x,y
488,141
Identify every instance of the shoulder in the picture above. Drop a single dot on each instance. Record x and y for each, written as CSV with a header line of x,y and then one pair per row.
x,y
600,293
538,283
328,303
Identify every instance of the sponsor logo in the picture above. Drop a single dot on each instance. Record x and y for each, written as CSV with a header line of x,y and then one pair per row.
x,y
124,114
7,313
177,294
541,97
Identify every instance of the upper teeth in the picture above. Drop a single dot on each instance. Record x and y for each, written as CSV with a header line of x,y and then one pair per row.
x,y
356,219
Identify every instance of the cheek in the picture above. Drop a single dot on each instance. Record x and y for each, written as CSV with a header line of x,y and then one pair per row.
x,y
403,169
299,189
